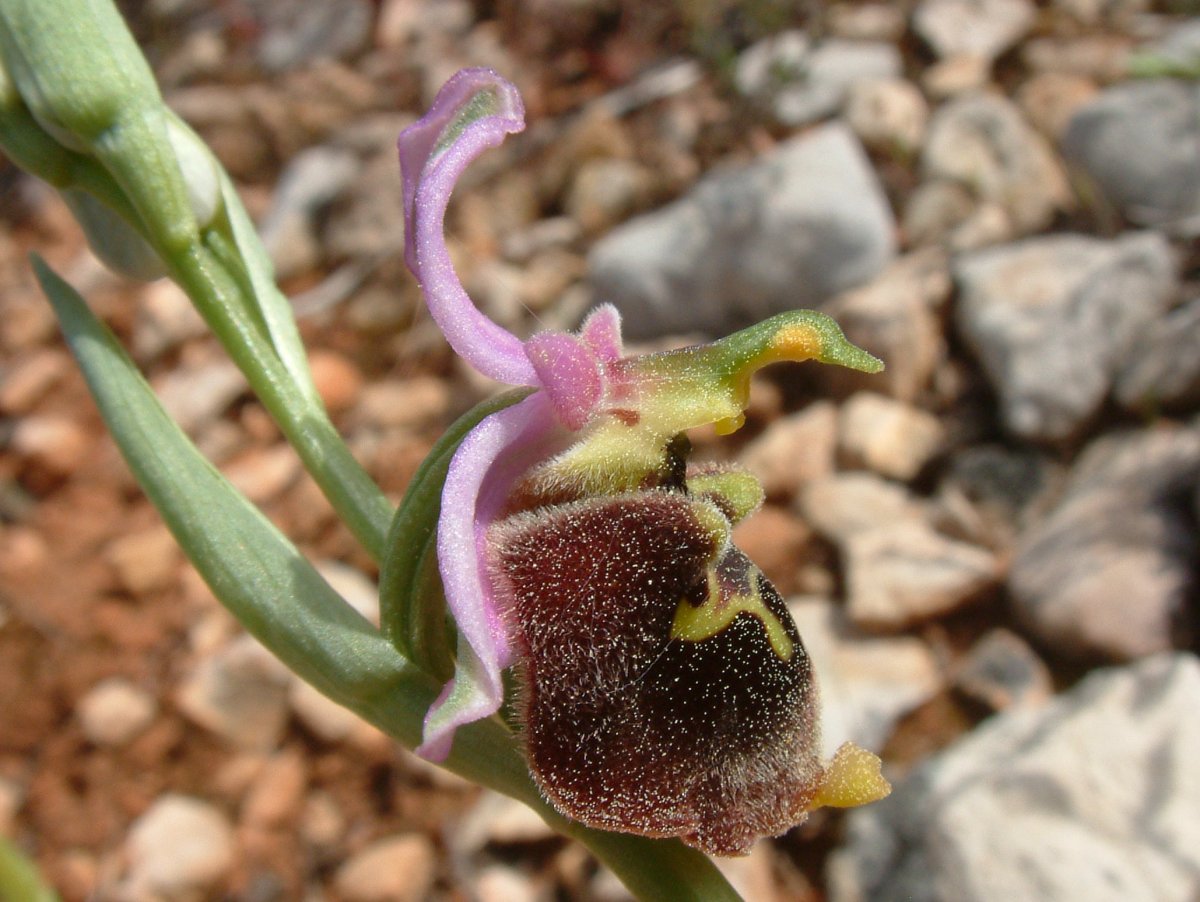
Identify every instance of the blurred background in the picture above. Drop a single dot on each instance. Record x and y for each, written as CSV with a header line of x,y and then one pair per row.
x,y
991,549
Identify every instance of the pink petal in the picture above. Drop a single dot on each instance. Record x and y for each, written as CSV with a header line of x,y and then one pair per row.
x,y
571,374
601,331
481,475
474,110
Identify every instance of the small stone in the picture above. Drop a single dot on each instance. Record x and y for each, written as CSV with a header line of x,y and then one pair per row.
x,y
1122,531
866,21
606,191
240,694
1051,319
165,319
322,822
498,883
1006,489
903,573
54,442
982,141
358,589
800,83
1157,186
1001,671
418,402
146,561
499,820
338,380
979,28
888,436
297,32
1092,796
277,794
29,378
179,848
1163,367
867,682
956,76
195,395
847,503
803,223
393,869
888,115
935,209
312,180
320,714
1049,100
115,711
262,474
794,450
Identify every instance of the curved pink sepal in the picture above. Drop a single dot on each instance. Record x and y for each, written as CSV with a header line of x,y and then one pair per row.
x,y
473,111
481,474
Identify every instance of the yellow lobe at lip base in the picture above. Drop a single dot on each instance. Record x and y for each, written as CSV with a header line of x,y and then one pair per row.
x,y
854,777
695,623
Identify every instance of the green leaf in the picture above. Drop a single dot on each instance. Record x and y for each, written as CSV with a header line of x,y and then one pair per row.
x,y
412,607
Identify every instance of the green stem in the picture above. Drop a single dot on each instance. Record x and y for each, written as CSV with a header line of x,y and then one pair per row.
x,y
19,879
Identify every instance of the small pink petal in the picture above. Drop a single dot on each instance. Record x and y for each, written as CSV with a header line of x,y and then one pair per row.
x,y
570,374
601,331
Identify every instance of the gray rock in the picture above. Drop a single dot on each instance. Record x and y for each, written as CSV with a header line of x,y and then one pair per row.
x,y
1108,573
297,32
1001,671
1093,796
867,682
1051,319
180,848
978,28
806,222
1163,368
983,141
1158,184
800,83
312,180
1005,488
902,573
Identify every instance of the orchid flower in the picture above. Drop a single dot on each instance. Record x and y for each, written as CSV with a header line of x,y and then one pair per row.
x,y
665,689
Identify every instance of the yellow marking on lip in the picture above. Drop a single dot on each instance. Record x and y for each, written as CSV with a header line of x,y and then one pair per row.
x,y
695,623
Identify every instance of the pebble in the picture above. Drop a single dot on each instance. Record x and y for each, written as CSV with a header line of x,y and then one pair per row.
x,y
240,693
194,395
794,450
605,191
955,76
866,21
311,181
1158,185
57,443
936,210
1121,532
115,711
417,402
806,221
977,28
146,561
277,794
844,504
889,115
322,822
179,848
1092,796
983,142
338,379
1049,100
498,820
867,683
1050,318
1001,671
394,869
262,474
888,436
358,589
165,319
1006,489
321,715
1162,370
29,378
498,883
801,83
895,317
297,32
902,573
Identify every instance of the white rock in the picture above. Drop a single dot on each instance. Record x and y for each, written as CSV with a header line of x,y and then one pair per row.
x,y
324,717
240,693
903,573
165,319
354,586
981,28
500,820
395,869
888,114
890,437
195,395
867,683
1093,796
115,711
179,848
847,503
